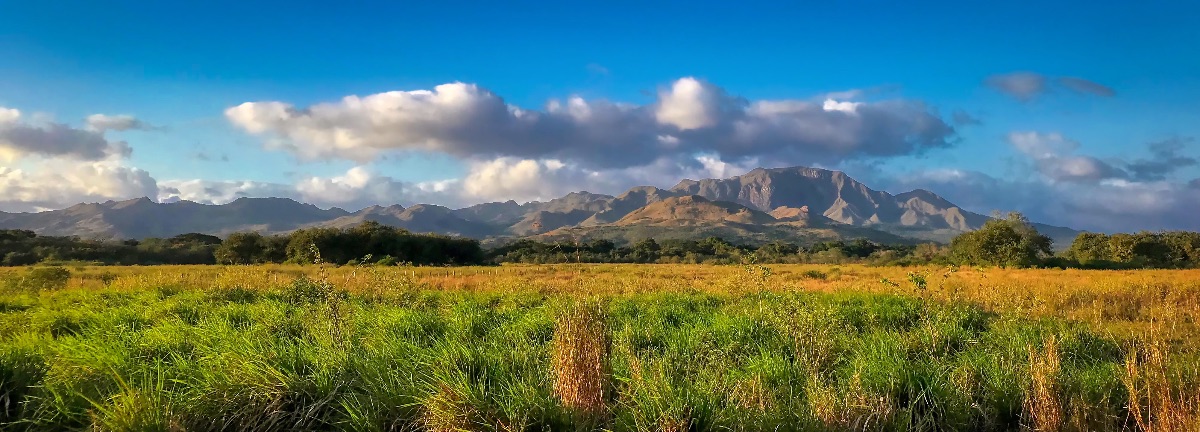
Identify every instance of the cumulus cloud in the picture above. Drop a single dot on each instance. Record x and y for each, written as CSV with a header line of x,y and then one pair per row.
x,y
689,117
357,188
102,123
520,179
1052,156
60,183
220,192
1026,86
692,104
19,139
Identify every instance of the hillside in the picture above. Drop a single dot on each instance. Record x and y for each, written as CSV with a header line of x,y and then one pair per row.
x,y
761,205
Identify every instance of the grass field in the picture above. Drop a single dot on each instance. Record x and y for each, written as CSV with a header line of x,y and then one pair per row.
x,y
600,347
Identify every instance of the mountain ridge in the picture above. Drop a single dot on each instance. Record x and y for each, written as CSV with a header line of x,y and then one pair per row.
x,y
760,205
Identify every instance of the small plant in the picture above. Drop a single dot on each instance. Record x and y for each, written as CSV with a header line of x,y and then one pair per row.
x,y
918,281
387,261
107,278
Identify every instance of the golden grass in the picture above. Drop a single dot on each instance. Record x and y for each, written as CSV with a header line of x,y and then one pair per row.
x,y
1041,401
580,360
1125,304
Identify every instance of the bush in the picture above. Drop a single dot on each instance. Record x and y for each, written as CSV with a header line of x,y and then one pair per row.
x,y
815,274
42,278
306,291
387,261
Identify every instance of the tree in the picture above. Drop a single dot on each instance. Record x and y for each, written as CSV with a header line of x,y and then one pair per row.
x,y
1090,247
1006,242
242,248
645,251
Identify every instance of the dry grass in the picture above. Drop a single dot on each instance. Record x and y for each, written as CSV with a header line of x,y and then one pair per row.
x,y
1155,405
580,360
1043,410
448,411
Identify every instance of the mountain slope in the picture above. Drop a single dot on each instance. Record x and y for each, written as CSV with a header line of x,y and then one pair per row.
x,y
763,204
141,218
692,217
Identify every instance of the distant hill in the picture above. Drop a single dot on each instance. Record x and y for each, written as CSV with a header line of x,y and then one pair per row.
x,y
795,204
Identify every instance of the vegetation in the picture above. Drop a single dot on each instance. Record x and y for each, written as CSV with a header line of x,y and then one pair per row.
x,y
1177,249
1010,241
21,247
1005,242
370,239
600,348
712,250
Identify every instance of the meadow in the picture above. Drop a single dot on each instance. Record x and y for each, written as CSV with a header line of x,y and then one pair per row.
x,y
598,347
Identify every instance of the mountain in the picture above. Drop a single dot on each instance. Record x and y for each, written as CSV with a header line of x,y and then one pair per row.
x,y
142,218
796,204
918,214
693,216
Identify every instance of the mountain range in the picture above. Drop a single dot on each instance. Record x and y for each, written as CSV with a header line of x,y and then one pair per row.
x,y
797,204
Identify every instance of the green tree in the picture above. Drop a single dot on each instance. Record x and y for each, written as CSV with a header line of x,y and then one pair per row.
x,y
1006,242
645,251
1090,247
242,248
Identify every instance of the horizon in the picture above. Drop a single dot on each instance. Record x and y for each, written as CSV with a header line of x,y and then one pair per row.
x,y
355,209
1085,121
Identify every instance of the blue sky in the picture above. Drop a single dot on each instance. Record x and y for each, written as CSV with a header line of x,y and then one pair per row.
x,y
177,68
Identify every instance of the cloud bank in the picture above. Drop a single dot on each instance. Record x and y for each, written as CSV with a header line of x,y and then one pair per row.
x,y
687,118
1076,190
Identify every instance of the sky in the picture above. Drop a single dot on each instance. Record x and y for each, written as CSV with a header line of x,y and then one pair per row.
x,y
1081,114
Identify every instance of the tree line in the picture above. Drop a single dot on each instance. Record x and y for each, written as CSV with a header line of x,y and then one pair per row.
x,y
369,242
1009,241
712,250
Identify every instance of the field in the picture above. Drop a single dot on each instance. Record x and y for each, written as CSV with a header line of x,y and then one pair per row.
x,y
600,347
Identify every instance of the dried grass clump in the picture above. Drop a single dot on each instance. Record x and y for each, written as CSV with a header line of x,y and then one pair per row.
x,y
580,359
448,410
1154,403
1043,410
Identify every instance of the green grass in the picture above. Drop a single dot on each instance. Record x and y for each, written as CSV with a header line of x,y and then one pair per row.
x,y
308,357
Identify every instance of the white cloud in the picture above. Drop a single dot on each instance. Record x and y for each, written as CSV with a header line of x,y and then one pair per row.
x,y
521,179
1109,205
690,117
55,184
690,104
847,107
360,187
220,192
9,115
1051,154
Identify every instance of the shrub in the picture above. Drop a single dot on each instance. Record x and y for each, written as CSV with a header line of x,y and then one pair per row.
x,y
387,261
815,274
42,278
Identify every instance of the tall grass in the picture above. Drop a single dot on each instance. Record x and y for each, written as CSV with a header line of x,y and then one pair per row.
x,y
621,348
